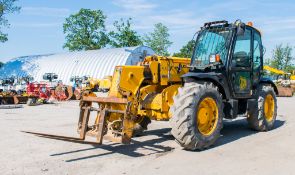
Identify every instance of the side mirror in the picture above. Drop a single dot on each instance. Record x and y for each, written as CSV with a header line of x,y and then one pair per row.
x,y
241,29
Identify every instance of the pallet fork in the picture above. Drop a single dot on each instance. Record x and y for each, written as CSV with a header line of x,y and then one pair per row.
x,y
101,129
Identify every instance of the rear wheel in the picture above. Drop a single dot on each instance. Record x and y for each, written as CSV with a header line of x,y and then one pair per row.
x,y
264,116
197,115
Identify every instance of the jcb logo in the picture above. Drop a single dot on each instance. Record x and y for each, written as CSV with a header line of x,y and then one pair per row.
x,y
243,83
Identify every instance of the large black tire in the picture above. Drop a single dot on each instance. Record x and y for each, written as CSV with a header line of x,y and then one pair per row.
x,y
184,115
257,119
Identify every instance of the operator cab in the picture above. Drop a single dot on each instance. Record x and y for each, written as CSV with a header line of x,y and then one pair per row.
x,y
233,50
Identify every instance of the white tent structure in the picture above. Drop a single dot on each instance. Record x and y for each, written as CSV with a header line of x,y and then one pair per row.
x,y
94,63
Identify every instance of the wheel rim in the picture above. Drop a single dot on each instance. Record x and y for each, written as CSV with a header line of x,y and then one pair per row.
x,y
269,107
207,116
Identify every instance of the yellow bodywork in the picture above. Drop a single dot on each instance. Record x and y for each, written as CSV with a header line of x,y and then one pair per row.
x,y
291,76
284,81
150,86
147,88
90,84
105,83
274,70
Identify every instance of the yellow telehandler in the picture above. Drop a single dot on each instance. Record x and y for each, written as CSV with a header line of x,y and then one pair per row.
x,y
223,79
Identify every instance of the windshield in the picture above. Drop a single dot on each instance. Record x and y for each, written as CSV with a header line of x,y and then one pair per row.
x,y
211,41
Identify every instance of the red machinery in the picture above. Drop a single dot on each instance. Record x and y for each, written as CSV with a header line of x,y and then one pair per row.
x,y
58,91
41,90
61,92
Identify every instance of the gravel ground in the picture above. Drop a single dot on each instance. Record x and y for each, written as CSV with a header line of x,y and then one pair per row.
x,y
238,151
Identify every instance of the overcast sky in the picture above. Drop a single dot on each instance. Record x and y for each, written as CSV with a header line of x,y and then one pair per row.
x,y
37,29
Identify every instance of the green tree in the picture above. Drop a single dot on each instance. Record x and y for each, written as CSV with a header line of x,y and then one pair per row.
x,y
282,58
186,51
6,7
85,30
124,36
158,40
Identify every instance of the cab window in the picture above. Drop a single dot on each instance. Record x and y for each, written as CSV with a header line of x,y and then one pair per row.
x,y
257,51
242,50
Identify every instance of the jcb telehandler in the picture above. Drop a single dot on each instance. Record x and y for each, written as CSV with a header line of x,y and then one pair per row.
x,y
223,79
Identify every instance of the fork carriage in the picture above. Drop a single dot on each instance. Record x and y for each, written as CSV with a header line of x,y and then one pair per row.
x,y
119,130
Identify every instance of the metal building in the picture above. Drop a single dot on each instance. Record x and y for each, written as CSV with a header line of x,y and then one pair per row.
x,y
94,63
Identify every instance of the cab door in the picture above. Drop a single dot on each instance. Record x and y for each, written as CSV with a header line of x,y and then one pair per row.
x,y
257,58
241,65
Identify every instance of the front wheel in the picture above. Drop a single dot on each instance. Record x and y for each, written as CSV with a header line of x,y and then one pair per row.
x,y
264,116
197,115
